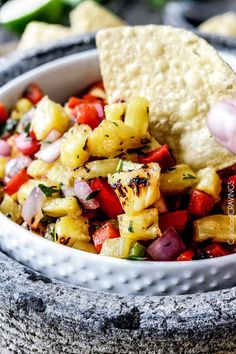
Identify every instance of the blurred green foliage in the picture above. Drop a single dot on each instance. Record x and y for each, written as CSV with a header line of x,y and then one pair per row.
x,y
157,3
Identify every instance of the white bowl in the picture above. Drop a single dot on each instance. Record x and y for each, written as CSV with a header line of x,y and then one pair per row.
x,y
59,80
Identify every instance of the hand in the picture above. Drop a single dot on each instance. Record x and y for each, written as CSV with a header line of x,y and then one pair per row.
x,y
221,121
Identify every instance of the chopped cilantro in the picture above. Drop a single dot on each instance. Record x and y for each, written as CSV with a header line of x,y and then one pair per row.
x,y
130,228
9,126
93,195
27,129
50,233
49,191
140,150
189,176
146,147
115,124
120,166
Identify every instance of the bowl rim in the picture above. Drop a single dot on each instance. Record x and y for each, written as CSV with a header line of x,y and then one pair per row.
x,y
162,265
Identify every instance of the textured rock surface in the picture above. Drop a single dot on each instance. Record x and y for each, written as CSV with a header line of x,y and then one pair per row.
x,y
40,315
14,66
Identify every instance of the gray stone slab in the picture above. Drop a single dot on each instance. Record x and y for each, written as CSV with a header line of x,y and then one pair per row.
x,y
41,315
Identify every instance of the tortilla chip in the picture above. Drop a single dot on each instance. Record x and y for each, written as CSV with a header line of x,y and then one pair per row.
x,y
40,32
90,16
224,24
181,75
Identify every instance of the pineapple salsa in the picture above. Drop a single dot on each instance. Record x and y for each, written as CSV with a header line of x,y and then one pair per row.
x,y
90,176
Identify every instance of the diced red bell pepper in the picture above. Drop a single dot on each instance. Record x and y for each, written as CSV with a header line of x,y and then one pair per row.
x,y
3,113
103,233
230,183
27,145
177,219
186,256
16,182
200,203
89,214
74,101
216,249
91,98
107,198
90,114
33,93
161,155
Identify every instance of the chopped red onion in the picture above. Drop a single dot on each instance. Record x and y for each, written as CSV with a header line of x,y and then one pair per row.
x,y
168,247
85,195
25,120
68,191
32,208
5,149
15,165
50,152
100,110
53,136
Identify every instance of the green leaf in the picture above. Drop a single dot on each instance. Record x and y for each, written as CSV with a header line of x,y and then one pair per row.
x,y
130,228
49,191
189,176
120,166
9,126
146,147
93,195
27,129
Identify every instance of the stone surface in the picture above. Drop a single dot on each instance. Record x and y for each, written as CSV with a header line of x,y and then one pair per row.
x,y
41,315
13,66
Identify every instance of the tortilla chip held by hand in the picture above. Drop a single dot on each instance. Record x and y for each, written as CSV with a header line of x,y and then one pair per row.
x,y
181,75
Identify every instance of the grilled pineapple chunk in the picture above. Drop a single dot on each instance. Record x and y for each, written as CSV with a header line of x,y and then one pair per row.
x,y
115,111
177,179
141,226
117,247
100,168
110,139
49,115
137,189
38,168
73,152
58,207
3,162
59,173
137,115
220,228
69,230
85,246
98,92
11,209
209,182
23,106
